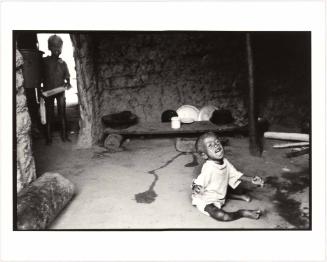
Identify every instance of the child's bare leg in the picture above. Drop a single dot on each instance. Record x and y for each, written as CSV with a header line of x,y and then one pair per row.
x,y
221,215
243,197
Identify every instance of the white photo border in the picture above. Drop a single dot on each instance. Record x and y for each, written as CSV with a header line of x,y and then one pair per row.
x,y
169,245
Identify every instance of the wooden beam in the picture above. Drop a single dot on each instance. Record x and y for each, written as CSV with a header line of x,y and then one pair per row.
x,y
254,145
287,136
288,145
296,153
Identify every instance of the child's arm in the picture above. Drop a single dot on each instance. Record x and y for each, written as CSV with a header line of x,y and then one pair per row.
x,y
67,77
201,182
256,180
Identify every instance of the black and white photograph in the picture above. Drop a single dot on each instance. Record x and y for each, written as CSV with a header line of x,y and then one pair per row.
x,y
144,125
163,130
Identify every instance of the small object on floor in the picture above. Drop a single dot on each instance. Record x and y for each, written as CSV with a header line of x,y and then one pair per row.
x,y
285,169
113,142
39,203
167,115
300,152
120,120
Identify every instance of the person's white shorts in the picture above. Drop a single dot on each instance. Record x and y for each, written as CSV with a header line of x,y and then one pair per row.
x,y
200,204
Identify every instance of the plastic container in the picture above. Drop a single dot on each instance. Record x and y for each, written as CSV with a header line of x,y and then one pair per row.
x,y
175,122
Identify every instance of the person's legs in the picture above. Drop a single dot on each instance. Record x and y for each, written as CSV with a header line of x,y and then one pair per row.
x,y
237,194
61,104
242,197
49,107
222,215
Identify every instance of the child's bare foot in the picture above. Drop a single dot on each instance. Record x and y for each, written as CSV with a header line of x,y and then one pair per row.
x,y
253,214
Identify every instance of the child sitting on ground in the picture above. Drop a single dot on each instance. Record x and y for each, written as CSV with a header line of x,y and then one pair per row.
x,y
209,189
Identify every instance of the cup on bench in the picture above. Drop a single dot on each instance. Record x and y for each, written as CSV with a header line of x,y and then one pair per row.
x,y
175,122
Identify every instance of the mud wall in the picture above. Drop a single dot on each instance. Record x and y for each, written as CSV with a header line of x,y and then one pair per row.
x,y
150,72
25,160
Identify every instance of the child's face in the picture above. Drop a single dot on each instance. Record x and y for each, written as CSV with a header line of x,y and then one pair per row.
x,y
56,50
214,149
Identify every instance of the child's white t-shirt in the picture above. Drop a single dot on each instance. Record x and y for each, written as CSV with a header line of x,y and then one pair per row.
x,y
214,179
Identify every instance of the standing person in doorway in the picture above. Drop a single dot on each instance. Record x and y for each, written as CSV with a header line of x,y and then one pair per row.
x,y
55,74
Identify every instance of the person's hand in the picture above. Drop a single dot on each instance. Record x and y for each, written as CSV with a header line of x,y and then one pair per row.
x,y
41,95
257,180
197,189
67,86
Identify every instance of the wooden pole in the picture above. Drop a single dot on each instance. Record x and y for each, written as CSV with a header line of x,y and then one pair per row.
x,y
254,146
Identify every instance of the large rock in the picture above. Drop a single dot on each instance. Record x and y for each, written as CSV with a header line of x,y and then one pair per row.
x,y
113,143
39,203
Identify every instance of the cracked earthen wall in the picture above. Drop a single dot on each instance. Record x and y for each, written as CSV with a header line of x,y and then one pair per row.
x,y
25,160
150,72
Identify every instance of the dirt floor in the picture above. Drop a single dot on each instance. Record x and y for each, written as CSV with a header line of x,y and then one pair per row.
x,y
147,186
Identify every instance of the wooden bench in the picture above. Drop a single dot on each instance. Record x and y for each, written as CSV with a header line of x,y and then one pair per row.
x,y
159,128
114,137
